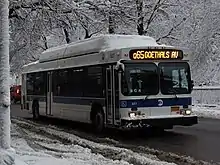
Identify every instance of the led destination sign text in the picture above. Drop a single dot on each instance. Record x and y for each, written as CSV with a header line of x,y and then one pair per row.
x,y
156,54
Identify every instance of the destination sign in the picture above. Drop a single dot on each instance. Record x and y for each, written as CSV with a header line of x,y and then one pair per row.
x,y
155,54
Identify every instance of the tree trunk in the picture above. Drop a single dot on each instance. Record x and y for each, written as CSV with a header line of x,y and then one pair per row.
x,y
111,20
87,35
111,29
45,41
4,77
66,35
140,22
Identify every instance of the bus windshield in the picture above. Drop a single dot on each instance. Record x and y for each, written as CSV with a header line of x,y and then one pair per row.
x,y
140,79
174,78
144,79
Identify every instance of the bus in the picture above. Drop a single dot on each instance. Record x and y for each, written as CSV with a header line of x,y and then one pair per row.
x,y
119,81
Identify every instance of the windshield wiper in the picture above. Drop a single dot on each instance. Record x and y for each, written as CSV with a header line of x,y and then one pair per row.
x,y
173,91
146,97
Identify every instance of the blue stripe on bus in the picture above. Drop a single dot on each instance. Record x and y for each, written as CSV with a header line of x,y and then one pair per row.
x,y
68,100
155,102
123,103
78,101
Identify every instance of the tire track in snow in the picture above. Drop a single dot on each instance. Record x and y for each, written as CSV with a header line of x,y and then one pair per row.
x,y
111,152
29,141
34,140
165,156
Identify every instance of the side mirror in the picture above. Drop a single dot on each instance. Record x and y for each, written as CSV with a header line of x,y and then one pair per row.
x,y
120,66
191,85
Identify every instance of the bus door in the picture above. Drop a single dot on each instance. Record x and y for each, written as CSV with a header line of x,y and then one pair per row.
x,y
112,96
49,93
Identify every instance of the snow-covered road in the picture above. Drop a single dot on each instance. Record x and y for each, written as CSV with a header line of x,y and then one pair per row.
x,y
36,144
199,141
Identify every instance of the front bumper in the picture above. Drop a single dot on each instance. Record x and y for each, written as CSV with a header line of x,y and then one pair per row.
x,y
160,122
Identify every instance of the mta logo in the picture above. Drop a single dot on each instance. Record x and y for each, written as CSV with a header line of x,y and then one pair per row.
x,y
160,102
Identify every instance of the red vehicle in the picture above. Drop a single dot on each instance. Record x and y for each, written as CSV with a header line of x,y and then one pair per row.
x,y
15,92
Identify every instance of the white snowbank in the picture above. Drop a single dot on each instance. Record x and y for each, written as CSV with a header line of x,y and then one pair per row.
x,y
207,111
37,149
7,157
19,162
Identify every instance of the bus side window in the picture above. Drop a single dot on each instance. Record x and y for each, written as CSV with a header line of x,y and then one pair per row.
x,y
58,90
40,84
55,83
93,75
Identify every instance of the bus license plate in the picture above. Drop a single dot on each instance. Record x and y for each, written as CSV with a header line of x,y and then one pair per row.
x,y
175,109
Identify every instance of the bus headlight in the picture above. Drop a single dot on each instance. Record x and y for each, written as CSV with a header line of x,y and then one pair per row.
x,y
187,112
132,114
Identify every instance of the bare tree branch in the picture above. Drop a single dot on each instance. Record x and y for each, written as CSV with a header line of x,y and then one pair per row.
x,y
168,35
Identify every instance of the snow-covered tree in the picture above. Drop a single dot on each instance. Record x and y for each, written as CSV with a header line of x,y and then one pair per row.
x,y
37,25
5,156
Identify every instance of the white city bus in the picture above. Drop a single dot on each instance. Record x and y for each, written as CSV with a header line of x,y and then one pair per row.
x,y
121,81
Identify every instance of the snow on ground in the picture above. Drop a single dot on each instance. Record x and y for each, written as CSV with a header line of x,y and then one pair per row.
x,y
68,155
206,101
39,149
207,110
206,95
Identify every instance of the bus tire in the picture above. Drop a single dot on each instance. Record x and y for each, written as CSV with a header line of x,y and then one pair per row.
x,y
98,121
35,110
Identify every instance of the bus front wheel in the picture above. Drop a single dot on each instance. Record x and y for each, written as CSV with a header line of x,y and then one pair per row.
x,y
98,121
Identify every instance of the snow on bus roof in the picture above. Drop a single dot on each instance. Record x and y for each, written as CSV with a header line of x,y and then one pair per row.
x,y
96,44
31,63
